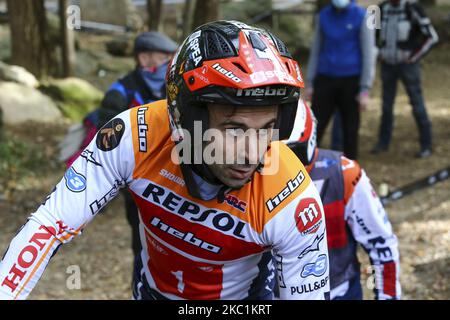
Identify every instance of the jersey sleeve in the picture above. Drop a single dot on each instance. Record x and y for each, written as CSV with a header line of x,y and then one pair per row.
x,y
426,28
94,179
370,226
296,232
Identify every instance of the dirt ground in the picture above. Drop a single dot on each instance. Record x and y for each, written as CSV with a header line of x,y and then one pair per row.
x,y
421,220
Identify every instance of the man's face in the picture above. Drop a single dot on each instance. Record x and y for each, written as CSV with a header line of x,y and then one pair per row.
x,y
245,133
152,59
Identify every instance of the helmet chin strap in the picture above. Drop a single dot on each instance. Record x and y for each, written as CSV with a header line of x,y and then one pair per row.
x,y
191,184
205,174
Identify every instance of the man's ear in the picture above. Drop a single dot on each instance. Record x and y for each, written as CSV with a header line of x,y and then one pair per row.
x,y
140,59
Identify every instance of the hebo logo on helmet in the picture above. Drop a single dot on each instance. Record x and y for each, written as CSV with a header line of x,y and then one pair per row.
x,y
194,47
262,92
226,73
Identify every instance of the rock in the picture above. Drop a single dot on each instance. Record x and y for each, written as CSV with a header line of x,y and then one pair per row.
x,y
75,97
118,12
85,64
20,104
118,65
120,46
17,74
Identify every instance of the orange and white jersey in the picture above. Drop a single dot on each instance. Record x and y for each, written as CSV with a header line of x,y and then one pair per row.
x,y
369,225
192,248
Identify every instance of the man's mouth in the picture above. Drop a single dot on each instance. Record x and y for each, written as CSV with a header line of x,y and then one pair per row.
x,y
241,172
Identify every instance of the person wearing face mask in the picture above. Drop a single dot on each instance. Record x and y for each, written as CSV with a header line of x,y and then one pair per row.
x,y
145,84
341,69
405,37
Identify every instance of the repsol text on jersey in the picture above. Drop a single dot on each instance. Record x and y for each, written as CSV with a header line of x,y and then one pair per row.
x,y
221,221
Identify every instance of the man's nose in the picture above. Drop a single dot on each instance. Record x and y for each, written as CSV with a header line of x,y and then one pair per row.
x,y
256,145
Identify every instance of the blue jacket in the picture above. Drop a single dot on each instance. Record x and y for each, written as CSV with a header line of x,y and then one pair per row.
x,y
340,49
135,89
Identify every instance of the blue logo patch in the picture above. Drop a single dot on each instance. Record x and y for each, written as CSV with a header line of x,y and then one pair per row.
x,y
316,268
325,163
75,181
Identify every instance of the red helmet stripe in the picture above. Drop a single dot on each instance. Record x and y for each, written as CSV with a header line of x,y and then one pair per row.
x,y
308,126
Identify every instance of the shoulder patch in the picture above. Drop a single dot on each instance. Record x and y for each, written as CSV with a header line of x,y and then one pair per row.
x,y
108,137
352,173
308,216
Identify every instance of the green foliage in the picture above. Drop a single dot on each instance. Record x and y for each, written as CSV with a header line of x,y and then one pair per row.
x,y
19,158
294,30
75,97
244,11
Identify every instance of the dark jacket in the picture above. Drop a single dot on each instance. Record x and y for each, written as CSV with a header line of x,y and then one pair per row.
x,y
406,33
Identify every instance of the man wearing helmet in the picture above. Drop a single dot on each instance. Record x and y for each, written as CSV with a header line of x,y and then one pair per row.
x,y
208,228
353,213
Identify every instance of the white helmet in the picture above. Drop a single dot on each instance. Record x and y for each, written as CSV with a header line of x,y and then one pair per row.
x,y
303,138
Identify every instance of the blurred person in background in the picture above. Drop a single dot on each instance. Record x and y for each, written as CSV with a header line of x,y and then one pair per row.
x,y
353,213
341,69
146,83
406,35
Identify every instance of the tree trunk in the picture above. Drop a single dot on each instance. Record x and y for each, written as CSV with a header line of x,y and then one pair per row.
x,y
205,11
154,10
67,41
187,18
31,47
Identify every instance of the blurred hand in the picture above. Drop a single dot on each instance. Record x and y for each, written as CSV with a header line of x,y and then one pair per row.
x,y
410,61
363,99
